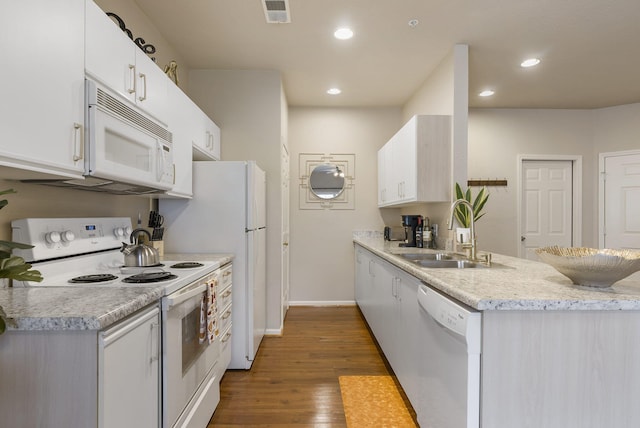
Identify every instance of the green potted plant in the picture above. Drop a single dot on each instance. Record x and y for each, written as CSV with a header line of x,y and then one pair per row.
x,y
13,267
462,213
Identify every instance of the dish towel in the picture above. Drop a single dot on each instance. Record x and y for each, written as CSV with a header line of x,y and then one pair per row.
x,y
209,313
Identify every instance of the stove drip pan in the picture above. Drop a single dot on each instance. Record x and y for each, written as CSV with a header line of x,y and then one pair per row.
x,y
150,277
93,279
186,265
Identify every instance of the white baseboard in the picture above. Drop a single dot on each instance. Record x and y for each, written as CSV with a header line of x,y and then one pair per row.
x,y
324,303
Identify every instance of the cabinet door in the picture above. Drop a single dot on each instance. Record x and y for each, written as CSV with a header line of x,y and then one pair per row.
x,y
151,87
404,162
382,176
181,125
114,60
109,53
42,87
129,373
207,145
407,321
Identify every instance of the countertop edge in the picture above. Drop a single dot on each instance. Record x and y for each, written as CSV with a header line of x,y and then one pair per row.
x,y
524,285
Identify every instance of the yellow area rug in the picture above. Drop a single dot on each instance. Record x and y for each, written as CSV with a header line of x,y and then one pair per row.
x,y
373,401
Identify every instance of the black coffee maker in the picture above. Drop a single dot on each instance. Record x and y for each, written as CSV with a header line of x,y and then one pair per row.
x,y
412,231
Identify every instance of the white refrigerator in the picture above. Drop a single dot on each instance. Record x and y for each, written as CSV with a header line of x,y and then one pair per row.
x,y
227,214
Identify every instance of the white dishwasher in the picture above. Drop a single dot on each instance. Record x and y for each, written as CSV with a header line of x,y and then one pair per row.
x,y
450,343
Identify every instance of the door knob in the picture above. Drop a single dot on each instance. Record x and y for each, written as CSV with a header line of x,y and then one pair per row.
x,y
522,239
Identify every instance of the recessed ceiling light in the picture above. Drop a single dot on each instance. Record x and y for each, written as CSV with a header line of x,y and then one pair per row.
x,y
343,33
486,93
530,62
413,23
334,91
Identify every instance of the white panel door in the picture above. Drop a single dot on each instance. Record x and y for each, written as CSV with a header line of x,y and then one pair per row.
x,y
622,201
547,200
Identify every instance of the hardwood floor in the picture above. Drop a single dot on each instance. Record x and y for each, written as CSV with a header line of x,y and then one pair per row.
x,y
294,379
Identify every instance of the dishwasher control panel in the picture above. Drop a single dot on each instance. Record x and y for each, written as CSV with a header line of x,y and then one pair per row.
x,y
462,321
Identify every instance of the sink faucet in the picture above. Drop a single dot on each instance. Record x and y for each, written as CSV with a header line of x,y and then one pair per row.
x,y
472,245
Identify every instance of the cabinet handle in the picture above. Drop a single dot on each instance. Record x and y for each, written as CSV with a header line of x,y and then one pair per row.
x,y
226,337
226,273
226,315
226,294
132,79
155,349
144,87
78,142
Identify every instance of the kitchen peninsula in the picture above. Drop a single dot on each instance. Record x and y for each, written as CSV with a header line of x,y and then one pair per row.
x,y
552,354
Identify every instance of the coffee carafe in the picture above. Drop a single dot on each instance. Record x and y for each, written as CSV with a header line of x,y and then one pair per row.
x,y
412,230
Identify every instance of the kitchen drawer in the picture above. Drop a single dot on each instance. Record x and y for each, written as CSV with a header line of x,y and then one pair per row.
x,y
224,297
225,276
224,318
225,351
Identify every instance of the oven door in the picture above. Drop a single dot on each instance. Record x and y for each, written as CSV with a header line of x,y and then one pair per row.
x,y
186,362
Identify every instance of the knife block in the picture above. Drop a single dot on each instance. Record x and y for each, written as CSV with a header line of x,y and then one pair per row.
x,y
158,245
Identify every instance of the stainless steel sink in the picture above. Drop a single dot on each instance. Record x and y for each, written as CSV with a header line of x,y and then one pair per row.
x,y
451,264
416,257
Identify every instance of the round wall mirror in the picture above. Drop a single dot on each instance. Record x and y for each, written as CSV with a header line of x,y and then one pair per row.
x,y
326,181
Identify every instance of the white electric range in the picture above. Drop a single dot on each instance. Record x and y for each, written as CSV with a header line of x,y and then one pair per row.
x,y
85,252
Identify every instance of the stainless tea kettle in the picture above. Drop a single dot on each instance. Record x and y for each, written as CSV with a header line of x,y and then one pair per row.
x,y
139,254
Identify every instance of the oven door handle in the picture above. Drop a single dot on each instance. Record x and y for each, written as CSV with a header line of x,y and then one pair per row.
x,y
185,294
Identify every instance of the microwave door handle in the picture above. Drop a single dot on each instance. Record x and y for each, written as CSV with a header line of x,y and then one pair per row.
x,y
187,294
159,163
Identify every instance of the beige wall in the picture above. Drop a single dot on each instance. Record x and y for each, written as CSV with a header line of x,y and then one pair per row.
x,y
248,107
498,136
445,91
321,245
34,200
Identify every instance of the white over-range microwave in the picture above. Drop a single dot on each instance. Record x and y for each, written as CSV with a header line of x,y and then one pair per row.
x,y
125,150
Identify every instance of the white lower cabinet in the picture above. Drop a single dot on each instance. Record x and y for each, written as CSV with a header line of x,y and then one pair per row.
x,y
542,368
129,373
386,296
224,302
83,378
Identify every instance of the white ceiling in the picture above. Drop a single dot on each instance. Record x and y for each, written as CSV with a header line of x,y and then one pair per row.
x,y
590,49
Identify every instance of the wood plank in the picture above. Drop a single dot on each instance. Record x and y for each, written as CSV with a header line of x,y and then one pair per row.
x,y
294,379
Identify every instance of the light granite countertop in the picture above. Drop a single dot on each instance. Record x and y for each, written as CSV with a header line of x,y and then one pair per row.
x,y
73,308
84,308
511,284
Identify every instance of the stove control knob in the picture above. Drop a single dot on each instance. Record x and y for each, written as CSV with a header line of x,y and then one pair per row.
x,y
119,232
67,236
52,237
127,231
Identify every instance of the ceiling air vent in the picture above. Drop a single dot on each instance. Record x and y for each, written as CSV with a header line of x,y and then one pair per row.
x,y
276,11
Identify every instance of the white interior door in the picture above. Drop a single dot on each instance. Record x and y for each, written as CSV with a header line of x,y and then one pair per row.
x,y
284,188
547,200
621,200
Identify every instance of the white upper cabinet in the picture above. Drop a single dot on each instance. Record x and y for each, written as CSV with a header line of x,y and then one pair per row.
x,y
415,165
182,126
42,88
115,60
207,145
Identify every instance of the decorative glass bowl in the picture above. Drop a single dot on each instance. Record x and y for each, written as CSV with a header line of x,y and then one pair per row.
x,y
591,267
